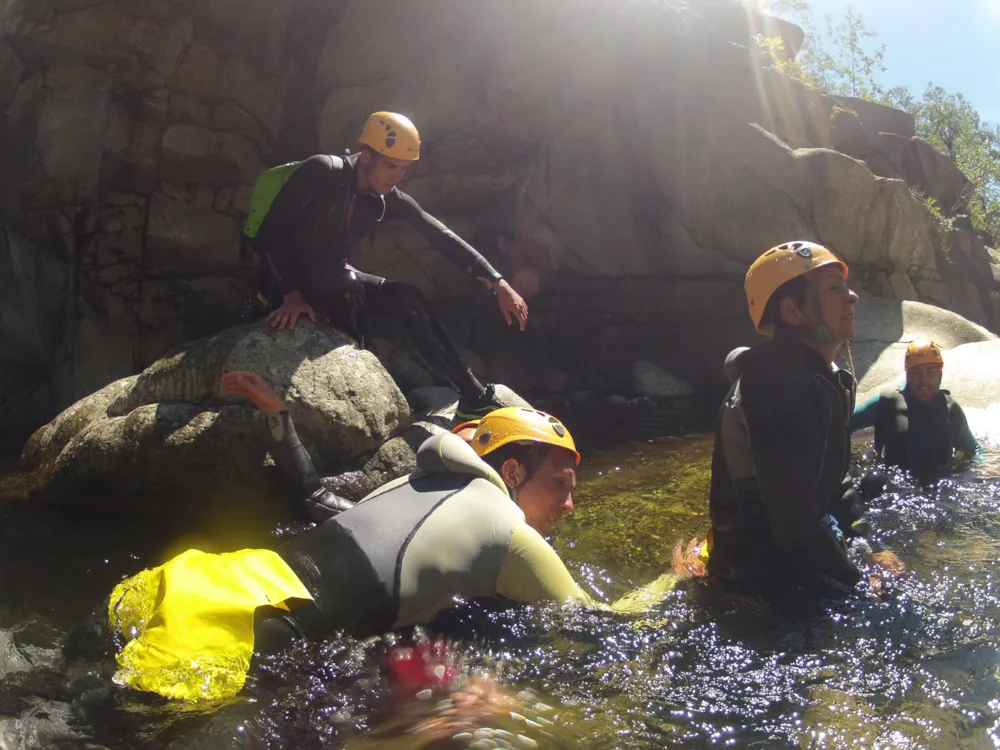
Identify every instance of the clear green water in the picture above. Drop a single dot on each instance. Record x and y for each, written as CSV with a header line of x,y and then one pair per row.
x,y
916,669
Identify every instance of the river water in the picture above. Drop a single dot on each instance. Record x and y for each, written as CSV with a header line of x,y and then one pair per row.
x,y
915,668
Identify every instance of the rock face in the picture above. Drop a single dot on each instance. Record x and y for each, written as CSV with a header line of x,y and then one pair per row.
x,y
166,435
621,163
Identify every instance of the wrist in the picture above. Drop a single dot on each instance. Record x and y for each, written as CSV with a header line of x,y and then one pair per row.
x,y
496,283
294,296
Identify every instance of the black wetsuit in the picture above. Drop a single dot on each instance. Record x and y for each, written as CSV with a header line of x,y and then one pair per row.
x,y
294,462
926,439
306,238
778,472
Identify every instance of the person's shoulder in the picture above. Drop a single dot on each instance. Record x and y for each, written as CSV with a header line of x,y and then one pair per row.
x,y
322,164
396,197
890,395
772,367
949,400
774,387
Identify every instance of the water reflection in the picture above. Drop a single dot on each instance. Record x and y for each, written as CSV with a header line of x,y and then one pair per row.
x,y
915,668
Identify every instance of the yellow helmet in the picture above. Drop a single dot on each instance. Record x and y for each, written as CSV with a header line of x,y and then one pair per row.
x,y
777,266
515,424
923,352
391,135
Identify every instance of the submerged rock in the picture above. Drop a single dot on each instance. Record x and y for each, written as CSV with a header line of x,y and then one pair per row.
x,y
650,380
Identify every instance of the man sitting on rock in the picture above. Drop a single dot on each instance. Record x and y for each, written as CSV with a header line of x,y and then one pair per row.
x,y
778,510
307,216
467,523
919,427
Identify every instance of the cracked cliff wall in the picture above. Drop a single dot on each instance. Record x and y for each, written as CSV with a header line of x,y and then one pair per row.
x,y
621,162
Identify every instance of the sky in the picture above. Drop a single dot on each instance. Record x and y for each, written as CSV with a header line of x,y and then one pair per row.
x,y
949,42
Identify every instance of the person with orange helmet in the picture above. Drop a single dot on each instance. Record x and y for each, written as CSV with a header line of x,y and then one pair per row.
x,y
468,522
780,515
305,219
919,427
466,430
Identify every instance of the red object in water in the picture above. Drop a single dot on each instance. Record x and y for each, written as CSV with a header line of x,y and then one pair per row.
x,y
419,666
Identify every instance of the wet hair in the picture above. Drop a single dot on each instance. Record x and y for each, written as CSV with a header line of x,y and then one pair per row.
x,y
794,289
530,456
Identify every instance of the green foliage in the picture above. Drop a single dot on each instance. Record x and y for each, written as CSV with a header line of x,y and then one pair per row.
x,y
953,126
774,56
943,222
840,59
843,61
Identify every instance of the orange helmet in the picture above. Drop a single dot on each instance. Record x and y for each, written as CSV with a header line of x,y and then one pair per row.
x,y
515,424
777,266
466,426
392,135
922,352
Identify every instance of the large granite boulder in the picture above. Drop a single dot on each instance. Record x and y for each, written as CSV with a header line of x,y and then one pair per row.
x,y
165,436
886,327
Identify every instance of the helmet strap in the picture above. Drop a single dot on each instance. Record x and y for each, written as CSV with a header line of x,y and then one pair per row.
x,y
819,333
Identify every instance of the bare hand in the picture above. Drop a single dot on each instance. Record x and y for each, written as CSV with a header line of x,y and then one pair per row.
x,y
252,386
292,306
512,305
478,704
876,587
888,562
886,567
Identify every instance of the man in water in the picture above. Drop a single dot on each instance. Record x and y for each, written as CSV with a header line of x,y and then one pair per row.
x,y
307,217
779,513
467,523
919,427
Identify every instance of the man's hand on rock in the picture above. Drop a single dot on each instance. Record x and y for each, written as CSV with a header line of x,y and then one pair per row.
x,y
512,305
252,386
292,306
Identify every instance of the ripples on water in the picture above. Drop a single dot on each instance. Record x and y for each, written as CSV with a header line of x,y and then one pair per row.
x,y
915,669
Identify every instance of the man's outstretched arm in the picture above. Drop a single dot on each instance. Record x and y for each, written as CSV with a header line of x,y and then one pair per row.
x,y
401,206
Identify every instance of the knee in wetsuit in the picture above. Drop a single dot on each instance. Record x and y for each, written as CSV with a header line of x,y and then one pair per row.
x,y
408,300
